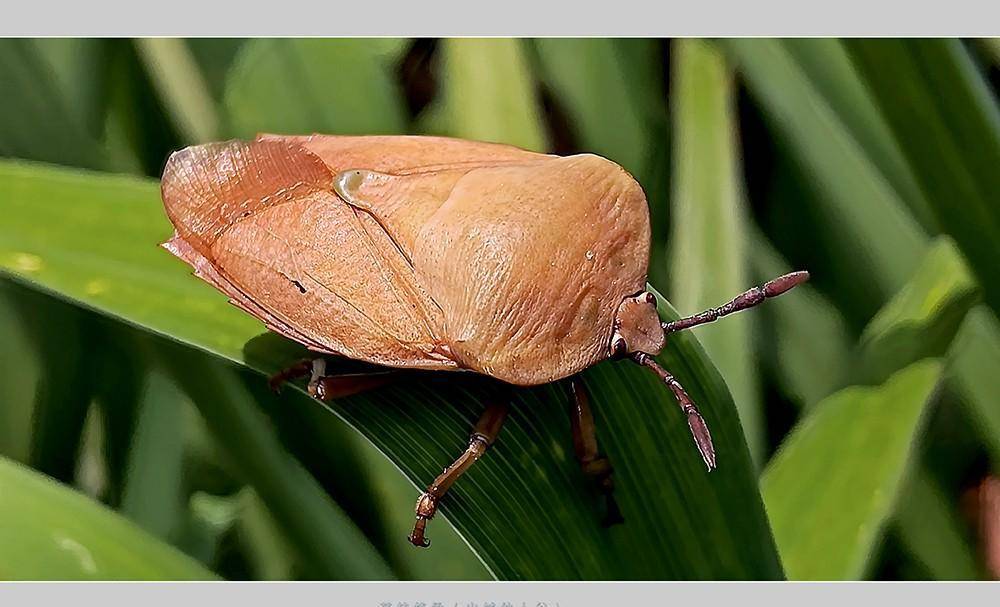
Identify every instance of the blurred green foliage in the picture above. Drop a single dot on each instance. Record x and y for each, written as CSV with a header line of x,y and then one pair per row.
x,y
149,446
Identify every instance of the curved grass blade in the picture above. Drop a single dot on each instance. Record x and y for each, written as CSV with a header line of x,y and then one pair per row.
x,y
526,508
708,237
51,532
827,65
921,320
862,215
880,244
333,546
832,486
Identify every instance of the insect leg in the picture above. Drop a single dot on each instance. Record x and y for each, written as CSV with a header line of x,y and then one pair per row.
x,y
747,299
295,371
594,464
329,387
699,429
482,437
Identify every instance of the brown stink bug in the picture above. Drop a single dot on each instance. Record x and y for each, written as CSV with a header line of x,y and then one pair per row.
x,y
436,254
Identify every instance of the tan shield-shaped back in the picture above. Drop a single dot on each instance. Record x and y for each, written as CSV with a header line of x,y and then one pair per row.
x,y
417,252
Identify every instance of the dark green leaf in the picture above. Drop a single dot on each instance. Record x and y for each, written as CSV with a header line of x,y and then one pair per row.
x,y
825,62
19,372
153,494
331,544
65,387
177,78
861,214
613,123
39,115
215,57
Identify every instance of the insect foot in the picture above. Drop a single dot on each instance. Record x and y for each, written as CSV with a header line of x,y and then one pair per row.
x,y
600,469
426,508
315,387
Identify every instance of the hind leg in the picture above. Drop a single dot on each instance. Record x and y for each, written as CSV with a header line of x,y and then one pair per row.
x,y
482,437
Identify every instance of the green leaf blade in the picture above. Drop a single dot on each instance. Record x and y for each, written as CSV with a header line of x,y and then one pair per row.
x,y
488,93
708,248
830,489
951,141
613,123
865,218
921,320
300,86
51,532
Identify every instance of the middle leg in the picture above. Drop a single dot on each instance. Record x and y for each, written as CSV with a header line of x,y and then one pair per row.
x,y
331,387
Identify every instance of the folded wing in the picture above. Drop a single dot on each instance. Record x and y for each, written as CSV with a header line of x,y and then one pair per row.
x,y
260,221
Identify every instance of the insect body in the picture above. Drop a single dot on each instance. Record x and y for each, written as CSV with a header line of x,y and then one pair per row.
x,y
437,254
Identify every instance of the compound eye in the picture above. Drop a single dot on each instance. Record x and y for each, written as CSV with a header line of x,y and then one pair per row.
x,y
650,298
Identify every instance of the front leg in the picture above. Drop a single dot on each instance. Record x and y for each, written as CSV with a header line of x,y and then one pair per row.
x,y
594,464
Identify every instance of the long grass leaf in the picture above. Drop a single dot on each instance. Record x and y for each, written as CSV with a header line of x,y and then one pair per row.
x,y
832,486
708,248
488,92
53,533
947,122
